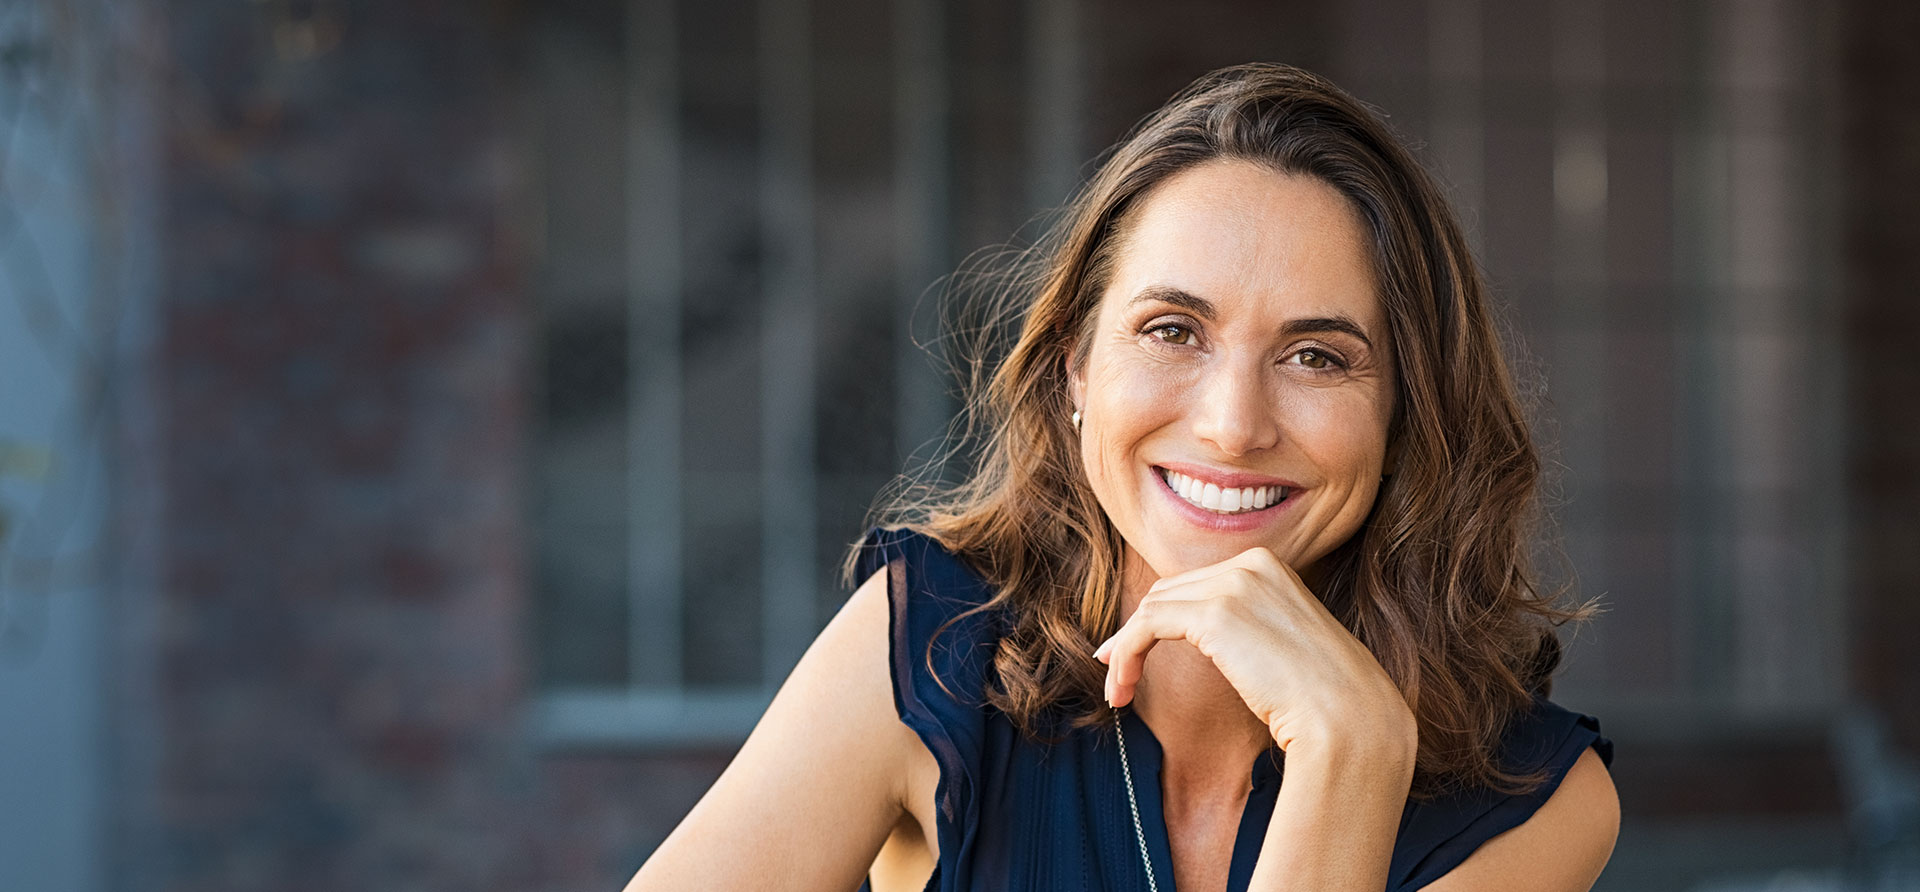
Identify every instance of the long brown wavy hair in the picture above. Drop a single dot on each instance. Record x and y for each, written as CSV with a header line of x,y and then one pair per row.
x,y
1437,583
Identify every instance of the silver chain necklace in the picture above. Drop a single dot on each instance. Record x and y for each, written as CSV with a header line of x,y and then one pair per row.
x,y
1133,804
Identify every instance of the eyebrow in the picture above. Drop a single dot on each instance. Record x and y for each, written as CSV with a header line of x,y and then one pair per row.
x,y
1204,308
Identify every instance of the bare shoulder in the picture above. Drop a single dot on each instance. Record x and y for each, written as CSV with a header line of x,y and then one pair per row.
x,y
818,786
1562,848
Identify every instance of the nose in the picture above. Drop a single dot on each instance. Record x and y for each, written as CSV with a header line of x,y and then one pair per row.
x,y
1235,412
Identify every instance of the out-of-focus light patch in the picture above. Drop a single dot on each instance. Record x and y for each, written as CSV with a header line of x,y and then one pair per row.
x,y
300,38
1580,175
24,460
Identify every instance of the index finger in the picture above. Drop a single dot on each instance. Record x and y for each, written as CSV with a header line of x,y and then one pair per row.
x,y
1243,559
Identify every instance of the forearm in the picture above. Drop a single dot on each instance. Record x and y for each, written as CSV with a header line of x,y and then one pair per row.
x,y
1335,819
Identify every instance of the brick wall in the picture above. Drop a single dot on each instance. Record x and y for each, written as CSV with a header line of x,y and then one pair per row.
x,y
339,650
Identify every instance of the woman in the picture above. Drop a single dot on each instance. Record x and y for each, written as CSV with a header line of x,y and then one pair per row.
x,y
1253,485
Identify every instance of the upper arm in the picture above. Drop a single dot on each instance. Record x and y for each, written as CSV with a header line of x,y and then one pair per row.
x,y
818,785
1561,848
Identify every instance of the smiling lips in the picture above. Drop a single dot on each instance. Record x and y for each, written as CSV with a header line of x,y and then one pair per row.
x,y
1226,501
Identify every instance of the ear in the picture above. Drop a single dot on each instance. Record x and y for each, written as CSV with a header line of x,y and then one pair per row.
x,y
1076,383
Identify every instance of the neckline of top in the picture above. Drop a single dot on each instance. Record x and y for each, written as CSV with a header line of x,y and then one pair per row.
x,y
1267,766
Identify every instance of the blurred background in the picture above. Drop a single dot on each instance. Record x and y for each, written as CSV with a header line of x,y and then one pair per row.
x,y
429,431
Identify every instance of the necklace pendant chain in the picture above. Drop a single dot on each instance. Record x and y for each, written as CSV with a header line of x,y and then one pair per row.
x,y
1133,804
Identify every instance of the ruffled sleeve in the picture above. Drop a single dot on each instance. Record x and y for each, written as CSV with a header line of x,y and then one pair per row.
x,y
939,693
1437,835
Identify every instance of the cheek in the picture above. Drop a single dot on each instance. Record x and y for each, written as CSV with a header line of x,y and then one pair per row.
x,y
1125,403
1345,434
1131,399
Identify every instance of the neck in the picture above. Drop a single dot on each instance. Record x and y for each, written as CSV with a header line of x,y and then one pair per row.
x,y
1208,737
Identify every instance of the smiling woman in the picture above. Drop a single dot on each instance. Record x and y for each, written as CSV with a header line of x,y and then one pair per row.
x,y
1232,341
1252,499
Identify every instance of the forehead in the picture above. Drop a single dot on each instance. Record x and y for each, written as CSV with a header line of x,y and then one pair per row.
x,y
1254,241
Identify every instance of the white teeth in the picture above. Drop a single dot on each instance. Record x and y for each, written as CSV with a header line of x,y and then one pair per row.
x,y
1224,501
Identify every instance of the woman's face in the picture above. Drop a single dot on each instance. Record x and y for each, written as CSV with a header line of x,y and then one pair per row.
x,y
1238,387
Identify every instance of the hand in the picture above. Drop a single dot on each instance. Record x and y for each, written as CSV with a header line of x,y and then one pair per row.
x,y
1298,669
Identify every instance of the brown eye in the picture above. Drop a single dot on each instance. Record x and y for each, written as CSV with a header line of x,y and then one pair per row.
x,y
1315,359
1172,334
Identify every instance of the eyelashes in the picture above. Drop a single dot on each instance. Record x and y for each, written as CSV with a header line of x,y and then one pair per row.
x,y
1177,335
1327,361
1175,327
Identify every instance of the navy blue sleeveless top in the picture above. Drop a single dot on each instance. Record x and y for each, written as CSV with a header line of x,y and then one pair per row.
x,y
1016,814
